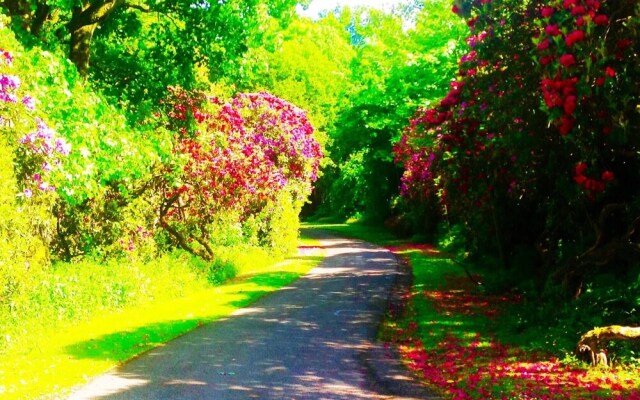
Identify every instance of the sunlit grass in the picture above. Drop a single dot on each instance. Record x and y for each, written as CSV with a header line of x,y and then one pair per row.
x,y
58,360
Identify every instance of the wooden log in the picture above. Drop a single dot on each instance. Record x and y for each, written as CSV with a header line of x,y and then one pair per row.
x,y
594,341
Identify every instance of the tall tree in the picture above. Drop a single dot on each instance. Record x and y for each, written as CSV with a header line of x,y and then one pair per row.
x,y
214,31
398,54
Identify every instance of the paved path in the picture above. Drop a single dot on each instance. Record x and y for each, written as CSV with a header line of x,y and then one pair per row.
x,y
311,340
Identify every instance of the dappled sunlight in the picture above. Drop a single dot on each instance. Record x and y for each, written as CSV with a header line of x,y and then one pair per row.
x,y
184,382
109,385
331,271
247,311
306,341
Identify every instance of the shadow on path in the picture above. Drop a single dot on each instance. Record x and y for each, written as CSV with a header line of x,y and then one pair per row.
x,y
310,340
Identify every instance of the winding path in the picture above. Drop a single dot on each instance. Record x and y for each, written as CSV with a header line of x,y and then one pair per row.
x,y
312,340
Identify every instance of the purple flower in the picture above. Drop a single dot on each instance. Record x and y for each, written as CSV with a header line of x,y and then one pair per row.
x,y
9,81
27,193
44,186
8,97
27,139
29,103
63,147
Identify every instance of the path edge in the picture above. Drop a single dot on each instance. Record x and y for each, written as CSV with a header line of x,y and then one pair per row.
x,y
383,363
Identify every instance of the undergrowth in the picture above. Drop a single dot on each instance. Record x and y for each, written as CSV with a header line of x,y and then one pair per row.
x,y
86,317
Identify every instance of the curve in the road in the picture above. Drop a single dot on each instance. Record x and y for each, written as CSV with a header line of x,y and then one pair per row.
x,y
307,341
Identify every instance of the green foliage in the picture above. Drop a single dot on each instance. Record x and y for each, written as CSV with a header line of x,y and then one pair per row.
x,y
396,68
306,63
280,224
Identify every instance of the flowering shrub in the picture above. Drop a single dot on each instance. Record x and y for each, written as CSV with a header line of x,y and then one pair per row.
x,y
29,156
535,133
233,158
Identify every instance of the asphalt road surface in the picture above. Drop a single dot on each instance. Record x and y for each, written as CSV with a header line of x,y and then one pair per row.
x,y
310,340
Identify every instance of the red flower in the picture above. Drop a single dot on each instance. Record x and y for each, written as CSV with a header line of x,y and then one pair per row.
x,y
574,37
608,176
601,19
610,72
580,179
566,125
594,4
546,60
581,168
552,30
547,12
600,81
567,4
624,43
570,105
578,10
567,60
543,45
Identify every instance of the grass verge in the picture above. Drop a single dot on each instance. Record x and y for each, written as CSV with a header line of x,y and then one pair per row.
x,y
55,360
453,336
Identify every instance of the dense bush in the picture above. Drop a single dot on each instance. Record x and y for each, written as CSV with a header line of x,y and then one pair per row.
x,y
250,161
30,156
534,151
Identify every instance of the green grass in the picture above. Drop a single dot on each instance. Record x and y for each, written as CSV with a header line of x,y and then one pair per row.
x,y
54,360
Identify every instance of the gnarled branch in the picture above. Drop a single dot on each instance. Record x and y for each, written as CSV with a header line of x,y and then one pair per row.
x,y
594,341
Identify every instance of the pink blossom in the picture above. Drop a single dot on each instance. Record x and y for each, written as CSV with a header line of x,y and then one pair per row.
x,y
552,30
567,60
601,19
547,12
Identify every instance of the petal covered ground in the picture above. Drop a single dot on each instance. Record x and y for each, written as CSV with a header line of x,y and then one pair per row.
x,y
446,336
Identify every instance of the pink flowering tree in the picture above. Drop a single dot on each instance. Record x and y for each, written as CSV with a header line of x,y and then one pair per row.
x,y
536,143
232,158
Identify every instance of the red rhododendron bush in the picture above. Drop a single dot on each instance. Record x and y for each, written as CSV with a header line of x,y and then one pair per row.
x,y
534,152
246,164
534,160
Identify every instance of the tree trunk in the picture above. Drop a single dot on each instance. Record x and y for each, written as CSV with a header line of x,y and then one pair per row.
x,y
83,23
594,341
80,48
